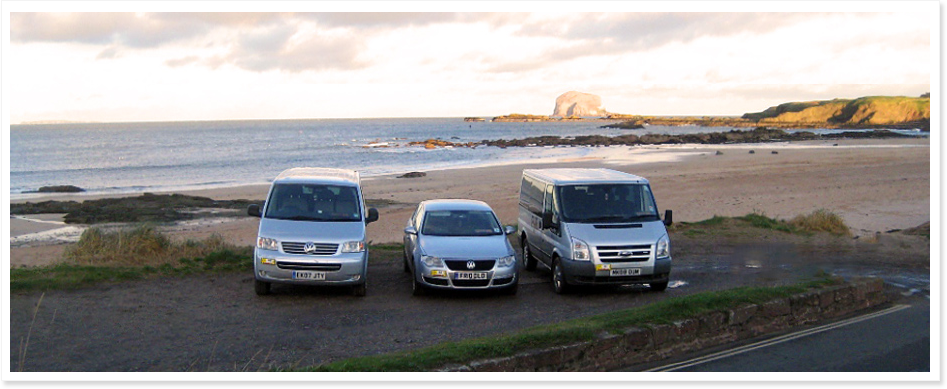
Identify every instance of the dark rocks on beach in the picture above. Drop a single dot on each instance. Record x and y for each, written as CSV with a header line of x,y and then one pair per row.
x,y
60,189
719,152
752,152
775,152
413,175
758,135
145,208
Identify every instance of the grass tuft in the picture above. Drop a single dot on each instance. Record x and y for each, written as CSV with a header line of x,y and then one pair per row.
x,y
139,246
821,220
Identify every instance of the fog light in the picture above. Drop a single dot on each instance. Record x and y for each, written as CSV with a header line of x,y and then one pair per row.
x,y
438,273
356,277
262,273
268,261
603,267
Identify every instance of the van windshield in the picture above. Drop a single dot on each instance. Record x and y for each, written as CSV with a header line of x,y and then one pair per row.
x,y
314,202
460,223
607,203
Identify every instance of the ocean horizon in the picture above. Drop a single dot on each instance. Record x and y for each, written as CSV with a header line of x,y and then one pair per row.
x,y
131,157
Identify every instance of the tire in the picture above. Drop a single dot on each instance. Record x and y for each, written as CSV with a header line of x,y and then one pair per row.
x,y
360,290
417,288
659,286
559,284
261,288
407,269
528,259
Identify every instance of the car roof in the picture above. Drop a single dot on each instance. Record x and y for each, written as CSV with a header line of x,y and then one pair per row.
x,y
455,205
584,176
318,175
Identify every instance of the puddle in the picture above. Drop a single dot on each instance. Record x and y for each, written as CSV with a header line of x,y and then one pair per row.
x,y
677,284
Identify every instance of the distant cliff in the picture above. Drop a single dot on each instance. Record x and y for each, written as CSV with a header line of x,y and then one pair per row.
x,y
863,111
577,104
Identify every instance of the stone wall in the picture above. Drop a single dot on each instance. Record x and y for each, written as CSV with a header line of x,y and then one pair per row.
x,y
661,341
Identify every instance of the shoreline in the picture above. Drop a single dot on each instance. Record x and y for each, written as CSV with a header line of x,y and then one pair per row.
x,y
875,185
579,153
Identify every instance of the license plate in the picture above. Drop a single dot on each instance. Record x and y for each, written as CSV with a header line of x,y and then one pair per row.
x,y
309,275
470,276
626,272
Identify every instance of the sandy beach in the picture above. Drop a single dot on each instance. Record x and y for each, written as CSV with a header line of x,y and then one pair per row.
x,y
875,185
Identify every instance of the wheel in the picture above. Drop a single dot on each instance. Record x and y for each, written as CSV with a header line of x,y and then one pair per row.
x,y
510,290
659,286
261,288
559,284
407,269
360,290
417,288
528,259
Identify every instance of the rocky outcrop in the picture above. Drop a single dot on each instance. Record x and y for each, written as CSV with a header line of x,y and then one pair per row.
x,y
60,189
578,104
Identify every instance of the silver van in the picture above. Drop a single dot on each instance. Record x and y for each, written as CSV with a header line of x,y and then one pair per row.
x,y
593,227
312,231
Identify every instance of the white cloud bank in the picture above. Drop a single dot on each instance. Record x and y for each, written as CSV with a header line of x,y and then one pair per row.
x,y
204,66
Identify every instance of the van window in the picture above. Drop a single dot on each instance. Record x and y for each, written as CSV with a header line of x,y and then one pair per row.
x,y
601,203
314,202
531,194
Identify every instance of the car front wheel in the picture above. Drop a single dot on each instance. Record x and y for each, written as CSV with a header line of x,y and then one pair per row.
x,y
559,284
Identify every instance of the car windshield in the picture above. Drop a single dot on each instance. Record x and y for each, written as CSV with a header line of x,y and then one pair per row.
x,y
460,223
314,202
607,203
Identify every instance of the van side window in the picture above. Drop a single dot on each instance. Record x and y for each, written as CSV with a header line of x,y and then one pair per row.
x,y
531,195
549,203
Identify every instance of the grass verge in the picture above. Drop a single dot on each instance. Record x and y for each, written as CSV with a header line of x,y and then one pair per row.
x,y
572,331
72,276
820,220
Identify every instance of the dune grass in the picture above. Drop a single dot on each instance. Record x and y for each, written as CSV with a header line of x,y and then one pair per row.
x,y
138,253
567,332
140,246
820,220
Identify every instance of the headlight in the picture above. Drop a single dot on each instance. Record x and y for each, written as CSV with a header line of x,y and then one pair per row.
x,y
580,250
506,261
353,247
267,243
431,261
663,248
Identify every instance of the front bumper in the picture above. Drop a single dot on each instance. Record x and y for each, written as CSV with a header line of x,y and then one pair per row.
x,y
498,277
585,273
339,269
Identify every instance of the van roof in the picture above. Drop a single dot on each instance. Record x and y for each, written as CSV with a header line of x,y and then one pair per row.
x,y
583,176
319,174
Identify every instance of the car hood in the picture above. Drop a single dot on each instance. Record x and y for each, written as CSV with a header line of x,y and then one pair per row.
x,y
603,234
310,231
467,247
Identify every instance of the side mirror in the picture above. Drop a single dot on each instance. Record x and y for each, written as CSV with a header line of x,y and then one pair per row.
x,y
410,230
254,210
509,230
372,215
548,221
668,217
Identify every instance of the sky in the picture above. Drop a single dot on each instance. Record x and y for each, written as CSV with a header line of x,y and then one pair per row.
x,y
160,62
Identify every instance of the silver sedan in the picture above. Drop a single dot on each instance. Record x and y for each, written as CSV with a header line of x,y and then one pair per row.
x,y
459,244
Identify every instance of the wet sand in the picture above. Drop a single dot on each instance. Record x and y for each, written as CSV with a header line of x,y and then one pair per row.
x,y
875,185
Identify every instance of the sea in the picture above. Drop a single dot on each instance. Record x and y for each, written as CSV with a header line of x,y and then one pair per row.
x,y
118,158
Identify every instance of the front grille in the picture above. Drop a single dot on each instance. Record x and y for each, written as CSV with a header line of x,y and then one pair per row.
x,y
461,265
471,283
299,248
309,266
436,281
629,253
